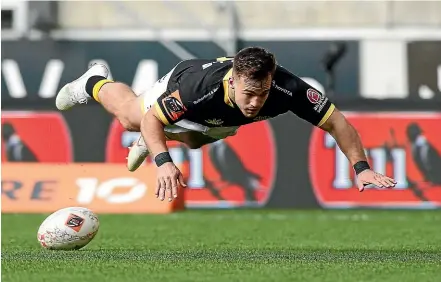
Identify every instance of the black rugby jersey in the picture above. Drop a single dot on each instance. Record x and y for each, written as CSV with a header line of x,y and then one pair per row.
x,y
202,96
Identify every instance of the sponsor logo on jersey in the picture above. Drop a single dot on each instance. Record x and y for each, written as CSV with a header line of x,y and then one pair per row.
x,y
206,96
214,121
404,146
286,91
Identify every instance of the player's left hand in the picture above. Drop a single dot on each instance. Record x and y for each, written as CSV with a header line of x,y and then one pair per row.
x,y
371,177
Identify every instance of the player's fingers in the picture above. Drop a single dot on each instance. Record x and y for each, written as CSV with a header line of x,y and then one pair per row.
x,y
162,190
360,185
378,183
174,191
390,182
168,186
162,193
158,187
383,180
170,194
171,188
181,180
386,181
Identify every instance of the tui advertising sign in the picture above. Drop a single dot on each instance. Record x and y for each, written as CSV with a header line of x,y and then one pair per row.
x,y
403,145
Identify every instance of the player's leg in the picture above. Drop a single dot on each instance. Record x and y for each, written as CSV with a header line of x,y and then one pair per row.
x,y
117,98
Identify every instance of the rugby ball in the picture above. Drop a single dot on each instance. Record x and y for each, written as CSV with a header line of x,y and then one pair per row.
x,y
70,228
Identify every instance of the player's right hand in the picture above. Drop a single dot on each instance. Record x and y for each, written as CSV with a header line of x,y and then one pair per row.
x,y
369,176
169,178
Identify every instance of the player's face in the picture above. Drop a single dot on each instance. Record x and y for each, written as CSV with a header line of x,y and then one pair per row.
x,y
250,95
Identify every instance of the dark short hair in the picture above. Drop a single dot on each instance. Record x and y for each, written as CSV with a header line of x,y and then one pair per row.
x,y
254,63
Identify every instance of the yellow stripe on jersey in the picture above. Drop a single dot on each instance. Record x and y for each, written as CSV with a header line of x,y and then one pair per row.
x,y
226,78
327,115
161,114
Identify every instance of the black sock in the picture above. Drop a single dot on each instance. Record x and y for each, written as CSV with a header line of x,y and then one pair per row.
x,y
91,83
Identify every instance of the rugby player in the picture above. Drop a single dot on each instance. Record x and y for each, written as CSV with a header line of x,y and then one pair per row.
x,y
201,101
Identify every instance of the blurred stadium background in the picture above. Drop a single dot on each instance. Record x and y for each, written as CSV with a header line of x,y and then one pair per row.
x,y
379,61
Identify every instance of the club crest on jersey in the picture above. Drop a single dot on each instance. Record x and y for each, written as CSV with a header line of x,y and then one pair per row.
x,y
75,222
313,95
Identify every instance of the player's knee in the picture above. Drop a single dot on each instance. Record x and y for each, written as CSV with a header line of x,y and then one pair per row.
x,y
128,124
129,118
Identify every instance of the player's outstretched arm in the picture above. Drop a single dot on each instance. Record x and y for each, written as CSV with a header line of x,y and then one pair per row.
x,y
313,106
350,144
346,136
168,175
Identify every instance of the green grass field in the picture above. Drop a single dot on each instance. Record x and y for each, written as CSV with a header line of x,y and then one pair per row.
x,y
235,245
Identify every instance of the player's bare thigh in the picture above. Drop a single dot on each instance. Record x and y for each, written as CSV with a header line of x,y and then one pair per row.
x,y
119,100
192,139
136,114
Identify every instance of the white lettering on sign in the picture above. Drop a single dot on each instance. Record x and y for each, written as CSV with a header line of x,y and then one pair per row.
x,y
91,188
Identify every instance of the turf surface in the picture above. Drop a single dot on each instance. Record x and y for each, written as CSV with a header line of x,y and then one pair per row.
x,y
240,245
